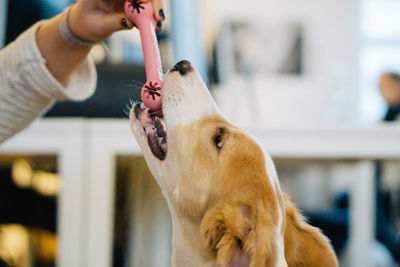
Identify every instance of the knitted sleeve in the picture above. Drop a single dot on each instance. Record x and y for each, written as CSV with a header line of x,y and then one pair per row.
x,y
28,89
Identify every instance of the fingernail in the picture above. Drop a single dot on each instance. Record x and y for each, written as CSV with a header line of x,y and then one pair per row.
x,y
159,24
123,23
161,13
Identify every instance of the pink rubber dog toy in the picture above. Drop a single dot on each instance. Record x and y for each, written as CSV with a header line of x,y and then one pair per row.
x,y
141,14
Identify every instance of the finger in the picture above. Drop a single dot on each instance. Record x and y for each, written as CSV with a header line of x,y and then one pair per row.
x,y
159,26
127,24
159,13
116,22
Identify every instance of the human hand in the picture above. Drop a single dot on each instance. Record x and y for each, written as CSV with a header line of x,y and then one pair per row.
x,y
96,20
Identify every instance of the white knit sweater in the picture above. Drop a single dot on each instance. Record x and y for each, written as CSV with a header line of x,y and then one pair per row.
x,y
28,89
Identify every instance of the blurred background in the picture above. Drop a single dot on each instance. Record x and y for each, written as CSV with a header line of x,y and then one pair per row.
x,y
291,67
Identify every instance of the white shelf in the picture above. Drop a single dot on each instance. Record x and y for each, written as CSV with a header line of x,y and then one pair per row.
x,y
86,151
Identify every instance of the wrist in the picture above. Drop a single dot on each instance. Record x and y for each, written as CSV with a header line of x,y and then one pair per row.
x,y
70,36
77,23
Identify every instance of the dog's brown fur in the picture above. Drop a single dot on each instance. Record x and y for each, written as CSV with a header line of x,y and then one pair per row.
x,y
232,206
304,244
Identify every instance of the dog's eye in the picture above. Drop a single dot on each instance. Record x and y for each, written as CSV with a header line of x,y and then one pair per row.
x,y
218,138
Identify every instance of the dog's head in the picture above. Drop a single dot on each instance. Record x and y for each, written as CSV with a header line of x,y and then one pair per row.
x,y
212,174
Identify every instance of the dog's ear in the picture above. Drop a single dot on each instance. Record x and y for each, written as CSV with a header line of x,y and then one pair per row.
x,y
238,237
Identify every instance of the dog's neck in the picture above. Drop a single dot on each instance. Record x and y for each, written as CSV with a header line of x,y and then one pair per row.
x,y
184,255
187,248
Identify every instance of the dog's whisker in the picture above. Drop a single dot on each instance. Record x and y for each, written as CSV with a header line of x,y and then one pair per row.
x,y
138,82
137,88
126,110
133,102
133,85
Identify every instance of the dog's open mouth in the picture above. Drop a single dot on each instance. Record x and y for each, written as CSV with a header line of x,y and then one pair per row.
x,y
154,129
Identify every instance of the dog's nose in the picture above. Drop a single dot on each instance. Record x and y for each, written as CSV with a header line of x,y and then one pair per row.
x,y
183,67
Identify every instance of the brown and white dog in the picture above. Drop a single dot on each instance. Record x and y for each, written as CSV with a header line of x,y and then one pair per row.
x,y
222,190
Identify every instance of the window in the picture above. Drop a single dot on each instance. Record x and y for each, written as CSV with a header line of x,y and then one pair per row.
x,y
379,52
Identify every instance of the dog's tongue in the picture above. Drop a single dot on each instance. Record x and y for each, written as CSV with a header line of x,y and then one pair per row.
x,y
159,126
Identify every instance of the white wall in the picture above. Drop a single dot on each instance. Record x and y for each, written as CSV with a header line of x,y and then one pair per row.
x,y
327,92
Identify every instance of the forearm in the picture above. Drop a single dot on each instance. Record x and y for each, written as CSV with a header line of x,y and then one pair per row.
x,y
28,88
